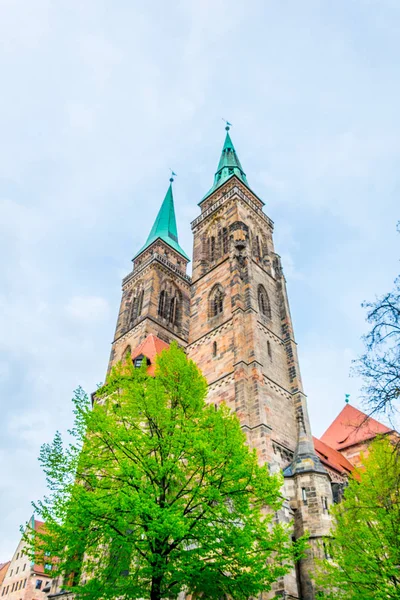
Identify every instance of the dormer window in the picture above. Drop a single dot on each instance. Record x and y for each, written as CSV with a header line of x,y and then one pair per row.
x,y
138,361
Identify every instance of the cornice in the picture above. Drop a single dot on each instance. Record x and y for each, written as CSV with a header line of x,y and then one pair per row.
x,y
223,199
158,258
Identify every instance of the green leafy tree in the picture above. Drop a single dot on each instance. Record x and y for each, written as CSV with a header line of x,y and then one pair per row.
x,y
365,544
158,492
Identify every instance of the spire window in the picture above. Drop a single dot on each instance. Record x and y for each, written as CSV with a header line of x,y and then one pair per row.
x,y
263,302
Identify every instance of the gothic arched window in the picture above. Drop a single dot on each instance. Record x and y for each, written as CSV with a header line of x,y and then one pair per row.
x,y
225,240
258,247
135,304
216,302
173,311
263,302
211,251
140,303
127,353
163,304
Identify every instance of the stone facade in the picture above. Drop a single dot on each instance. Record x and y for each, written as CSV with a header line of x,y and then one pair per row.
x,y
159,269
234,321
248,354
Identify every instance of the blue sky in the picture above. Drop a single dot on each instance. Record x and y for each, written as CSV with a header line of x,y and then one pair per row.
x,y
100,98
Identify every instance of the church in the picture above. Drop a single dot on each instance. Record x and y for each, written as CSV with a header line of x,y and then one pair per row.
x,y
232,316
233,319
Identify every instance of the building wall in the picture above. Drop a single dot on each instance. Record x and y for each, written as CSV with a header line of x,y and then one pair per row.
x,y
21,578
249,370
249,355
157,269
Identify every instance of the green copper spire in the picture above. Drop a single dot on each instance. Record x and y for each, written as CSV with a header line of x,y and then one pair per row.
x,y
164,227
229,165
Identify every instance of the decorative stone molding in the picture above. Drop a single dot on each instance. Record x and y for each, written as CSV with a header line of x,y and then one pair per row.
x,y
277,388
161,259
235,191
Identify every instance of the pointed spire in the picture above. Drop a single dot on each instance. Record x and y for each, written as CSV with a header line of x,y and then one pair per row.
x,y
164,227
229,165
305,458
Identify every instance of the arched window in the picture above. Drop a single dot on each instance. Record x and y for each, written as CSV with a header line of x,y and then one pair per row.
x,y
211,252
140,303
225,240
173,310
163,304
263,302
258,247
127,353
217,302
134,306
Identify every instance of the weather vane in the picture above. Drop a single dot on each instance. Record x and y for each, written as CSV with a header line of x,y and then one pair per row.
x,y
228,125
172,175
347,398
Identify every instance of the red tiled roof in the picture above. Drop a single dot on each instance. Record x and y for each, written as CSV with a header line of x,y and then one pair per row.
x,y
3,570
39,525
331,457
150,347
351,427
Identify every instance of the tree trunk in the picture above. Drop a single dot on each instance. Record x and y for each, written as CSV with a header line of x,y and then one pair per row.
x,y
155,593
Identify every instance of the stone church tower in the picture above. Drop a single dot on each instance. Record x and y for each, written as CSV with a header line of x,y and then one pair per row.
x,y
233,318
156,294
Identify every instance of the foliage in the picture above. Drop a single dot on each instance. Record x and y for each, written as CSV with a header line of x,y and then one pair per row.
x,y
158,492
365,544
380,364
